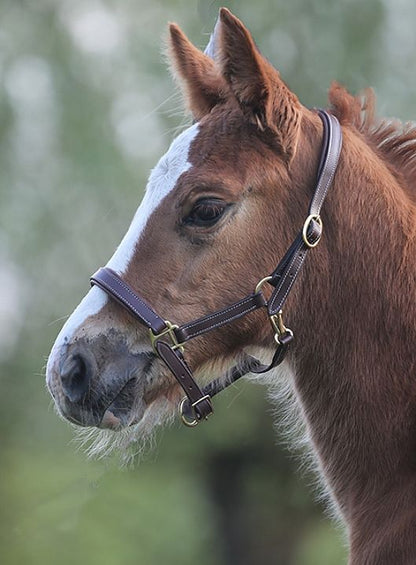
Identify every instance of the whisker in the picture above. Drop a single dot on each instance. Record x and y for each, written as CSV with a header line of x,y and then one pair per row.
x,y
159,106
58,320
130,444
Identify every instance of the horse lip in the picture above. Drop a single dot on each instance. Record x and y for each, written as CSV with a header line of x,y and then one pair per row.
x,y
110,421
117,415
120,412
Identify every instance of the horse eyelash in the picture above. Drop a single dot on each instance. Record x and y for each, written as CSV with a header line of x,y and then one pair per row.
x,y
222,207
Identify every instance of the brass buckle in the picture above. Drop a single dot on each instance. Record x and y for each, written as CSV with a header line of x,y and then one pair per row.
x,y
278,326
306,225
169,331
188,422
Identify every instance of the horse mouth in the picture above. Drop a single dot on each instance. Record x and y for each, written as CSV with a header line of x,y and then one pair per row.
x,y
127,409
129,405
123,410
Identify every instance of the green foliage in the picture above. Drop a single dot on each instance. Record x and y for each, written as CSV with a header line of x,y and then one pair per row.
x,y
86,108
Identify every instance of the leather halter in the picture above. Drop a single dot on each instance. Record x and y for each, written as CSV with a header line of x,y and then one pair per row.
x,y
168,339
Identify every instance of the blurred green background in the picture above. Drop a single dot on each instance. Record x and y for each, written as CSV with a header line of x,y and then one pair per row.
x,y
86,108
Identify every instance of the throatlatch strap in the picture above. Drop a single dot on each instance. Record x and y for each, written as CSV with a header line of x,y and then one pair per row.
x,y
249,365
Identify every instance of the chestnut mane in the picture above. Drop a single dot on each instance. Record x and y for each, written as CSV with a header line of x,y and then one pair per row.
x,y
392,140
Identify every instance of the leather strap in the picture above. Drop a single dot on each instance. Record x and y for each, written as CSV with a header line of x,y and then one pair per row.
x,y
220,317
249,365
285,274
331,149
197,404
109,281
199,400
112,284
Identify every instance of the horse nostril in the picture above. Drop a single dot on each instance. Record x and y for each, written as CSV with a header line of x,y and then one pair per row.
x,y
75,377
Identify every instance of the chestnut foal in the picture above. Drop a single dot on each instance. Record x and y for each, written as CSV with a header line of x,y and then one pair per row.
x,y
220,211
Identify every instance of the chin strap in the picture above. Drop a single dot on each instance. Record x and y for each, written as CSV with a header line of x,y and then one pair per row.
x,y
168,340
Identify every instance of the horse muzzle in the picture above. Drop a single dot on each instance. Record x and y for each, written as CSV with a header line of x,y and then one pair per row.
x,y
99,382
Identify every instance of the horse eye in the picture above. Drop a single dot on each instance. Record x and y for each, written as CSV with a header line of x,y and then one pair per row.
x,y
206,212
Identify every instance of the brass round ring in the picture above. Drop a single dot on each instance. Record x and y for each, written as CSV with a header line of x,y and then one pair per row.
x,y
187,421
306,225
261,283
277,336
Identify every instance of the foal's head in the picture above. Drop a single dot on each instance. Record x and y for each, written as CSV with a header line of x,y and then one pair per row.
x,y
214,220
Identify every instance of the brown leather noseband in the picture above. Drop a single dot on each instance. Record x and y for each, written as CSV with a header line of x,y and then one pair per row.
x,y
168,339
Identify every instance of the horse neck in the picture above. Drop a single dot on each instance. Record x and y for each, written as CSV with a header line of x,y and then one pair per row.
x,y
355,333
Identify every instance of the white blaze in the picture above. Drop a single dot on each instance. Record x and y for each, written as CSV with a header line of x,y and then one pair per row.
x,y
161,182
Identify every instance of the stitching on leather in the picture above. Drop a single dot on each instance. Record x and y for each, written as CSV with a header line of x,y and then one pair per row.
x,y
290,285
124,299
331,174
282,300
328,182
189,325
219,324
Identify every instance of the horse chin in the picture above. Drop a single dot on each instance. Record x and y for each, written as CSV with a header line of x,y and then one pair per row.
x,y
130,437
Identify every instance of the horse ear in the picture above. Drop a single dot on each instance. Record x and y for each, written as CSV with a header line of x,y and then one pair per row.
x,y
201,79
256,84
